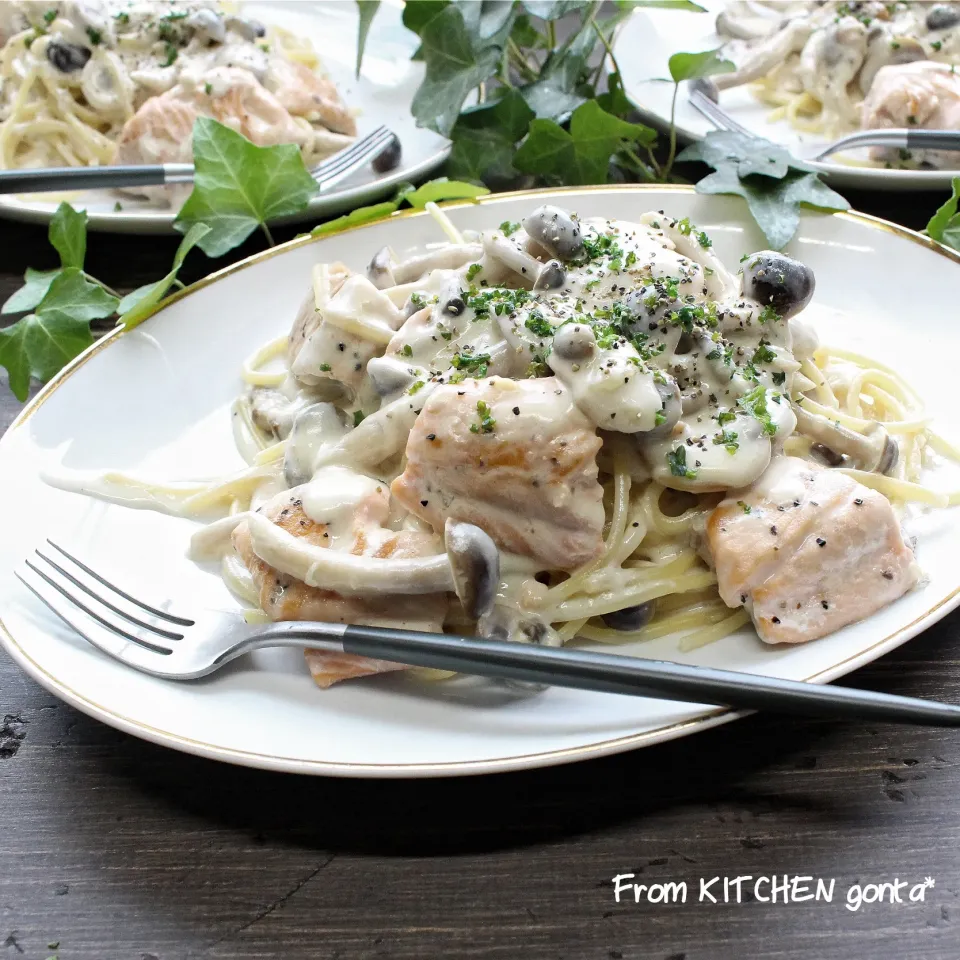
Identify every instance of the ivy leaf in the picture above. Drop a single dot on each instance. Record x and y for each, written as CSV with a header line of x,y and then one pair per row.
x,y
581,155
692,66
485,138
239,186
557,91
68,235
687,5
418,13
525,34
491,22
454,69
41,343
774,183
552,9
361,215
136,306
944,225
775,204
368,10
615,100
721,148
36,283
436,191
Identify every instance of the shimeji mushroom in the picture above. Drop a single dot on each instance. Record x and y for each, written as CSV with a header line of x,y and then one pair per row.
x,y
314,427
771,52
874,450
470,567
774,279
541,276
556,232
385,271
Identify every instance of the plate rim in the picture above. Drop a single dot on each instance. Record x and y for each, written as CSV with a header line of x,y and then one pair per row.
x,y
878,178
600,748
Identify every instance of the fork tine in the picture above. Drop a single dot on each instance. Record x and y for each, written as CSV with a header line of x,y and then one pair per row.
x,y
163,614
90,592
349,153
109,640
331,175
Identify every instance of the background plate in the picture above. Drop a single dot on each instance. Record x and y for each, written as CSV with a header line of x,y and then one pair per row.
x,y
658,34
155,402
382,95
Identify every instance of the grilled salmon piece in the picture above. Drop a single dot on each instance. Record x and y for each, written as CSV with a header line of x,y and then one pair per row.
x,y
807,551
284,598
516,458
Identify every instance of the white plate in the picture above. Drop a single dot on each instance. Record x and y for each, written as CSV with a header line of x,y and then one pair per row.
x,y
382,94
649,38
155,402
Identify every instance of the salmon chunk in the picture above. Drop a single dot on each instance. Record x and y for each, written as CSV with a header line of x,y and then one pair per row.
x,y
807,551
284,598
516,458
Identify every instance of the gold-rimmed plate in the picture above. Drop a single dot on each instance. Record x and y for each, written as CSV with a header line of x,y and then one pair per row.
x,y
155,402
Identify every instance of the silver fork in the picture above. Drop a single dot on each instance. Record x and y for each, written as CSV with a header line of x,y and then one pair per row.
x,y
327,173
156,641
704,98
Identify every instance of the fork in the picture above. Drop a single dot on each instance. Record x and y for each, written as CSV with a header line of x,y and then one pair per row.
x,y
154,640
704,98
326,173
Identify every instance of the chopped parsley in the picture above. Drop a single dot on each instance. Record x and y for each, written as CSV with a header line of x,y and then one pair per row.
x,y
417,300
684,227
407,350
704,242
416,387
538,325
509,227
763,353
325,367
726,416
677,462
358,417
537,367
768,315
659,418
729,439
744,506
500,300
630,260
472,271
96,37
208,89
172,54
50,16
936,45
487,423
602,245
123,18
472,364
755,403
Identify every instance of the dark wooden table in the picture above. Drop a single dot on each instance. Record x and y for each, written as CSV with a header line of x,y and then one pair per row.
x,y
114,848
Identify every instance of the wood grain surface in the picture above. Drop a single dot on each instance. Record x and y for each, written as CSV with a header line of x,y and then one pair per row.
x,y
114,848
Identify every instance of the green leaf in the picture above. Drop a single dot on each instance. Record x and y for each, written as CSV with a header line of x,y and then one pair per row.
x,y
42,343
558,90
552,9
13,356
375,211
454,68
492,22
418,13
944,225
239,186
136,306
582,155
485,138
615,100
368,10
774,183
68,235
775,204
687,5
442,189
36,283
525,34
720,148
691,66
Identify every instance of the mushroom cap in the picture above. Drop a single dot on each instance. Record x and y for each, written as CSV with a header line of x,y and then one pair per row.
x,y
556,231
574,341
475,564
771,277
